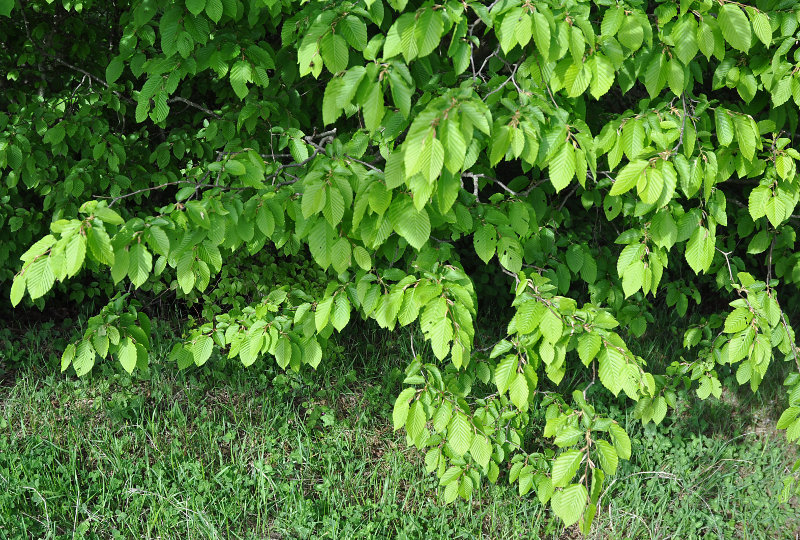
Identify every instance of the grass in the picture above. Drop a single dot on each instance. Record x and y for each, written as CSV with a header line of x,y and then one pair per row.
x,y
225,452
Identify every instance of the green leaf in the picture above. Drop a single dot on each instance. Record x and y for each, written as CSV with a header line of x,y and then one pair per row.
x,y
39,248
631,33
442,416
314,198
761,26
737,320
576,79
185,272
441,334
251,346
622,443
684,35
757,202
334,206
340,315
334,51
735,27
664,230
562,167
541,34
401,405
428,31
195,7
485,242
612,20
633,278
608,457
373,107
127,355
160,108
431,158
509,252
415,420
505,373
283,351
201,349
628,177
55,134
17,289
565,466
158,240
575,257
100,245
551,326
775,211
312,353
240,75
602,76
507,29
5,7
114,70
588,346
140,263
659,409
401,93
412,225
459,434
67,356
354,31
611,369
362,258
481,450
787,417
568,436
322,313
214,10
84,358
518,391
700,250
107,215
724,126
39,277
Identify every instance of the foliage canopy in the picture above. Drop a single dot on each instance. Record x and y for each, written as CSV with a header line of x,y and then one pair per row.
x,y
613,158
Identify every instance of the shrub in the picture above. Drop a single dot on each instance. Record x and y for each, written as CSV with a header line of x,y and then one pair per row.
x,y
289,165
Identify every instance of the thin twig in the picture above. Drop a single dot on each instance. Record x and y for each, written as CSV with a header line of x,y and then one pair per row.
x,y
476,176
86,73
195,105
510,78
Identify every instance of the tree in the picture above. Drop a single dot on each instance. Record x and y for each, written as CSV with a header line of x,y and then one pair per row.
x,y
610,158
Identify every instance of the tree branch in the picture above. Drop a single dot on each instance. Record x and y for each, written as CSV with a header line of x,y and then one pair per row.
x,y
209,112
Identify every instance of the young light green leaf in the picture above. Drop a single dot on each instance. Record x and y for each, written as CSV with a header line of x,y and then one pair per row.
x,y
459,434
565,466
608,457
17,289
622,443
569,504
628,177
735,27
127,355
201,349
562,166
412,225
39,277
401,405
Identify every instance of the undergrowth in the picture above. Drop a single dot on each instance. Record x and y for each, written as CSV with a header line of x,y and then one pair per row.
x,y
226,452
